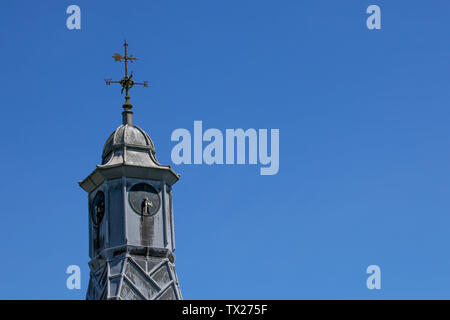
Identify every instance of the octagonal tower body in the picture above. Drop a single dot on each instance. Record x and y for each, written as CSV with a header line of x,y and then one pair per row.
x,y
131,225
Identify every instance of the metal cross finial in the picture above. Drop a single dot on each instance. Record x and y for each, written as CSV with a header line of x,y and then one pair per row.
x,y
127,81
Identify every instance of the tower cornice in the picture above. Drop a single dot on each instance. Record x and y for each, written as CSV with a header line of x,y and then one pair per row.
x,y
102,173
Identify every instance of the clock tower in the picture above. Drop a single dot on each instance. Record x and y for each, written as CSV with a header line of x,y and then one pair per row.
x,y
131,225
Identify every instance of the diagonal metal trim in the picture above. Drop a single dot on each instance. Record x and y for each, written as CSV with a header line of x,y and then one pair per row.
x,y
144,274
133,287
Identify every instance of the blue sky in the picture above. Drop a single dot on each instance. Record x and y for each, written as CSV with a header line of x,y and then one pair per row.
x,y
364,142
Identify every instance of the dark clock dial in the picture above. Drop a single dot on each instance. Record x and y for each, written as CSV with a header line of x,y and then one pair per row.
x,y
98,208
144,199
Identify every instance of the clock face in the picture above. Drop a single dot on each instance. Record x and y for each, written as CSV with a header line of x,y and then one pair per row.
x,y
144,199
98,208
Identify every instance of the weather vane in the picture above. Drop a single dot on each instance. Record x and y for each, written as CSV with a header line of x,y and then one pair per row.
x,y
127,81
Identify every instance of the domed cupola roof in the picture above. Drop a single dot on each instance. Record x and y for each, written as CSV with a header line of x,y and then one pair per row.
x,y
128,136
131,145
